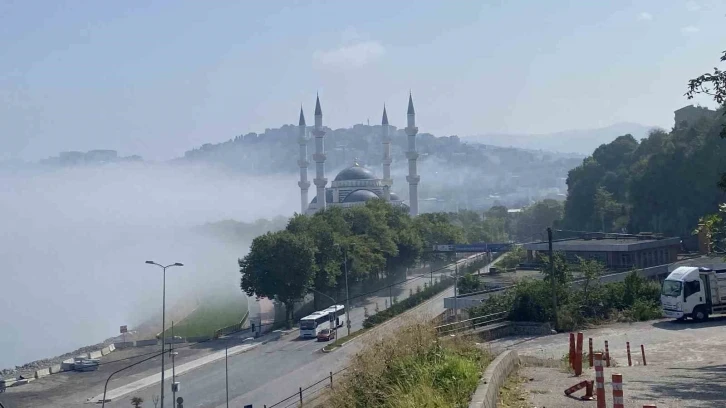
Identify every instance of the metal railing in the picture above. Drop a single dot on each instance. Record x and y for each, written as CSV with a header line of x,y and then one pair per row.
x,y
232,328
471,324
309,392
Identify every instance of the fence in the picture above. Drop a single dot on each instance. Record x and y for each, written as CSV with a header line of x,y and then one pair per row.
x,y
471,324
233,328
310,392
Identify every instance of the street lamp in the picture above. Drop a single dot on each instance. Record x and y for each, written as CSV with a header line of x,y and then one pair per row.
x,y
163,321
347,293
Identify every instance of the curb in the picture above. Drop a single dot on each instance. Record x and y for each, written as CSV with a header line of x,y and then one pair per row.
x,y
487,393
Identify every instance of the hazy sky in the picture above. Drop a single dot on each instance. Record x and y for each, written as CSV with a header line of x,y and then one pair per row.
x,y
158,78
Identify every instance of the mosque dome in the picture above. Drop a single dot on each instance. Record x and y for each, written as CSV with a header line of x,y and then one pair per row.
x,y
355,172
360,196
395,197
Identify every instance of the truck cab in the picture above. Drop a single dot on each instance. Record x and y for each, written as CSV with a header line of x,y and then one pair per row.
x,y
694,292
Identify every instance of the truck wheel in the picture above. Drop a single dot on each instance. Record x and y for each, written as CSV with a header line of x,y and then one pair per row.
x,y
700,314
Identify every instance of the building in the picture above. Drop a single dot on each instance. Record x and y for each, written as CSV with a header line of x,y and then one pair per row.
x,y
692,114
355,185
615,252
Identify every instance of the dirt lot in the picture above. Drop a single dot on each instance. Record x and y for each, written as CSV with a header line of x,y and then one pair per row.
x,y
686,364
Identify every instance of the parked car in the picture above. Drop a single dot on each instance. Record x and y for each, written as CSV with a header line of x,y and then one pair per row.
x,y
326,335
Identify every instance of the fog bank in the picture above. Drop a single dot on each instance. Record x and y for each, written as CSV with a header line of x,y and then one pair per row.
x,y
74,242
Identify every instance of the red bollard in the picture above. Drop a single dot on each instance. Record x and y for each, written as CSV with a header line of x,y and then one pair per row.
x,y
572,350
607,354
649,406
590,357
618,391
588,392
642,352
630,362
599,381
576,387
578,354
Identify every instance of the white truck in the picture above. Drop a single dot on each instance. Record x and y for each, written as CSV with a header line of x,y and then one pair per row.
x,y
694,292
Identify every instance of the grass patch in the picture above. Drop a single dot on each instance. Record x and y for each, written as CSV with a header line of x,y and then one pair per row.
x,y
512,393
339,342
211,315
412,368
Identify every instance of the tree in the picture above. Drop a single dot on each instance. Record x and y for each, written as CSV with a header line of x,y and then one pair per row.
x,y
155,400
280,266
437,229
714,85
606,208
137,401
469,284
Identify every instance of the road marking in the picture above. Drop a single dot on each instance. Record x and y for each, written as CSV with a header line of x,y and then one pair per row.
x,y
156,378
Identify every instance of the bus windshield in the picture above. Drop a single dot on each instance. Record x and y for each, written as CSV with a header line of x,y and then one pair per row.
x,y
672,288
307,324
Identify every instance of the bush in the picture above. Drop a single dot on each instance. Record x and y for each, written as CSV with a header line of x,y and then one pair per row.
x,y
412,368
411,301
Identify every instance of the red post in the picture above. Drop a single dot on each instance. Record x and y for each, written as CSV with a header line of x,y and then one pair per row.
x,y
607,354
630,362
642,352
588,392
572,350
649,406
618,391
578,354
599,382
590,356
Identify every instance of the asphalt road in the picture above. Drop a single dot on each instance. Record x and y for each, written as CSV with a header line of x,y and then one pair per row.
x,y
272,371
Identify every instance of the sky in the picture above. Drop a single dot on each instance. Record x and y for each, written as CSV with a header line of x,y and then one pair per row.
x,y
159,78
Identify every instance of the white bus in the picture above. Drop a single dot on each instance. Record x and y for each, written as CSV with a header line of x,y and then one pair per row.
x,y
330,318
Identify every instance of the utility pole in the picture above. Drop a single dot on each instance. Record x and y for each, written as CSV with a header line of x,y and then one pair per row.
x,y
552,273
347,295
456,287
173,367
226,375
432,272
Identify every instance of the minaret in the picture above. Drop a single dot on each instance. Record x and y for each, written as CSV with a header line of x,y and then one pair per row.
x,y
413,178
319,156
304,184
387,181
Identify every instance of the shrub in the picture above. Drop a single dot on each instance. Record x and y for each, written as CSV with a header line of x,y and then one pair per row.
x,y
412,368
411,301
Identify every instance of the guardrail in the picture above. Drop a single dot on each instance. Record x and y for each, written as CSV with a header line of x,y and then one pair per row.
x,y
471,324
233,328
299,397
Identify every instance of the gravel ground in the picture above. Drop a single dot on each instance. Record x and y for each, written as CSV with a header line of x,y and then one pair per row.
x,y
686,364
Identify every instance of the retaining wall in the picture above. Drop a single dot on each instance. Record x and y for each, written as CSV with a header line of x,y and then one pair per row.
x,y
504,329
487,393
197,339
141,343
124,344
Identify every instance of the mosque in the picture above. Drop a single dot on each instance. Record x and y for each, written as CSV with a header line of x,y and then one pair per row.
x,y
356,184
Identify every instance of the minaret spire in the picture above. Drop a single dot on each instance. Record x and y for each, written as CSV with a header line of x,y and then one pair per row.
x,y
413,178
302,162
319,156
386,138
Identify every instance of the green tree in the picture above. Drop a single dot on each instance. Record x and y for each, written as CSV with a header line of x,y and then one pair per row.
x,y
714,85
533,221
437,229
137,401
606,208
469,284
280,266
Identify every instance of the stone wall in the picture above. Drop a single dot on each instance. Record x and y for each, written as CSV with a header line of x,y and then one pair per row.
x,y
487,393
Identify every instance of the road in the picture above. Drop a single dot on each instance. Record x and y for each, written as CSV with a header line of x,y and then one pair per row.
x,y
270,372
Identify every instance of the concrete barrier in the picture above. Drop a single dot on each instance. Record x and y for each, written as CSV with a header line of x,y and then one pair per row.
x,y
105,351
7,382
142,343
123,345
487,393
174,340
55,369
112,347
83,355
95,354
42,373
67,365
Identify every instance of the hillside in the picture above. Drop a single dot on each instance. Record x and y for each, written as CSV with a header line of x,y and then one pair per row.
x,y
663,183
581,141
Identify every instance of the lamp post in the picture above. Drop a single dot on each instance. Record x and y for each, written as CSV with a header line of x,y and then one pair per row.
x,y
347,293
163,320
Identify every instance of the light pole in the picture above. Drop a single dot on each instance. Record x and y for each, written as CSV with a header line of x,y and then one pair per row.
x,y
163,320
347,293
173,353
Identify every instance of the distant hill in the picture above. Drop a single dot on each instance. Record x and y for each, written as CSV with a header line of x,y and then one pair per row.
x,y
582,141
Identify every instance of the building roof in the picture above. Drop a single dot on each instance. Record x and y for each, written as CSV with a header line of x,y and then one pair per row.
x,y
395,197
355,172
360,196
603,245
